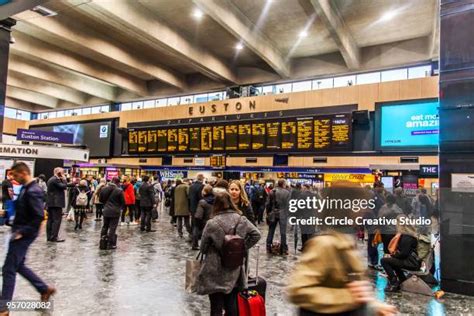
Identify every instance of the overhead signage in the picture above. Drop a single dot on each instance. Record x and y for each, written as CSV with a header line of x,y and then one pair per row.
x,y
27,151
31,135
429,171
360,178
173,174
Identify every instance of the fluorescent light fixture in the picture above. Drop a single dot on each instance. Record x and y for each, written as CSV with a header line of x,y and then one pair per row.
x,y
387,16
44,11
303,34
198,14
239,46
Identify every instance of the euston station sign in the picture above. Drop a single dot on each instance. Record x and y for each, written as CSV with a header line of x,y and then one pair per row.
x,y
44,136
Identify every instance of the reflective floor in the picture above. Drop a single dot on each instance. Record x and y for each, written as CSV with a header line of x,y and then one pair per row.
x,y
145,276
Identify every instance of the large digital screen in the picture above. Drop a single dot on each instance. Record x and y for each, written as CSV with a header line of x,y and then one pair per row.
x,y
95,135
411,124
305,134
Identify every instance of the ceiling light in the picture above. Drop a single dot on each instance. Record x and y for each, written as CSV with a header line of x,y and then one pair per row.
x,y
198,14
44,11
303,34
387,16
239,46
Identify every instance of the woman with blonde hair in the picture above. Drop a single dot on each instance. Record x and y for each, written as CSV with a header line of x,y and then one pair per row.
x,y
241,200
330,277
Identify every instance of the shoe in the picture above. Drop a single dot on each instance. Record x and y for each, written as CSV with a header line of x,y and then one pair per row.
x,y
151,230
269,250
76,227
195,248
142,229
284,253
45,296
80,226
59,240
97,219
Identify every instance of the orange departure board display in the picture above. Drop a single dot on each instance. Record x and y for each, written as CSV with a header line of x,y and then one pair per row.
x,y
258,136
132,141
195,138
245,136
231,137
322,133
273,135
172,139
152,140
305,134
142,141
288,134
217,161
206,138
183,139
162,140
340,130
218,137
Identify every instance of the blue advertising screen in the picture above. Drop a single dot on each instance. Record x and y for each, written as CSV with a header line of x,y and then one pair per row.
x,y
410,124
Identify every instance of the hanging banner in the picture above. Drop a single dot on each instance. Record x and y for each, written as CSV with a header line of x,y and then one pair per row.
x,y
44,136
28,151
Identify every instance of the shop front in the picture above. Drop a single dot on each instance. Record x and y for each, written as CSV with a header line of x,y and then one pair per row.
x,y
359,178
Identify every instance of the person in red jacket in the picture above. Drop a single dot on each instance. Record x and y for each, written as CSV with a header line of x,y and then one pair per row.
x,y
129,195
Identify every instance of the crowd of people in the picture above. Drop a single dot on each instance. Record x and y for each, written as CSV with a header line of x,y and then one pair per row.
x,y
210,211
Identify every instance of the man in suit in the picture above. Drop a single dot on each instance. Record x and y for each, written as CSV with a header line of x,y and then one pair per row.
x,y
195,195
147,202
56,201
26,225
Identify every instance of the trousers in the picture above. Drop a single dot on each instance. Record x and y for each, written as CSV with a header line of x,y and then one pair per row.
x,y
55,216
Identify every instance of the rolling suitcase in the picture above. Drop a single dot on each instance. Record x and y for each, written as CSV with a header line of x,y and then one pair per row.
x,y
251,302
104,242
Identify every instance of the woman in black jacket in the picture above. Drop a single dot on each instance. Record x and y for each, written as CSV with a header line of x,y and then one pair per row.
x,y
203,214
80,199
405,257
241,200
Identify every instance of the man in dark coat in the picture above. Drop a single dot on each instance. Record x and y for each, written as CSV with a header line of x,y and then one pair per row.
x,y
25,229
195,195
56,201
114,202
147,202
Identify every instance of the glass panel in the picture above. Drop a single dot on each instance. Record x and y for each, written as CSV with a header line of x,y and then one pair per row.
x,y
323,83
52,115
95,110
125,107
160,102
10,113
60,114
283,88
419,72
173,101
86,111
268,89
397,74
301,86
105,108
215,96
24,115
373,77
344,81
187,99
43,116
149,104
68,113
198,98
137,105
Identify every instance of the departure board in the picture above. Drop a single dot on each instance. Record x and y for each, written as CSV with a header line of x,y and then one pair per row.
x,y
195,138
183,139
162,140
206,138
340,131
132,141
172,139
322,133
258,136
273,134
217,161
288,134
142,141
231,137
245,136
305,134
218,137
152,141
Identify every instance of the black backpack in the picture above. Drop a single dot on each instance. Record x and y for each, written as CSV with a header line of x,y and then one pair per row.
x,y
233,248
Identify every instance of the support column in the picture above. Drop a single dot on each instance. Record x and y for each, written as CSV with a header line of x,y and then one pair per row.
x,y
457,146
5,30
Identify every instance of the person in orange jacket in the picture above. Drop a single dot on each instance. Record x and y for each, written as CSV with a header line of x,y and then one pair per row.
x,y
129,195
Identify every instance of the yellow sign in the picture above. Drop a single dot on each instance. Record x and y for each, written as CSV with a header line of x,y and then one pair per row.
x,y
351,177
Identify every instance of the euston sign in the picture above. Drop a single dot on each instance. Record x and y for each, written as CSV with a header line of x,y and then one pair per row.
x,y
44,136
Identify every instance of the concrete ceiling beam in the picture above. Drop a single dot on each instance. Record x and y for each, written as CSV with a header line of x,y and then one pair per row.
x,y
76,35
61,77
35,97
234,21
341,35
35,49
138,22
